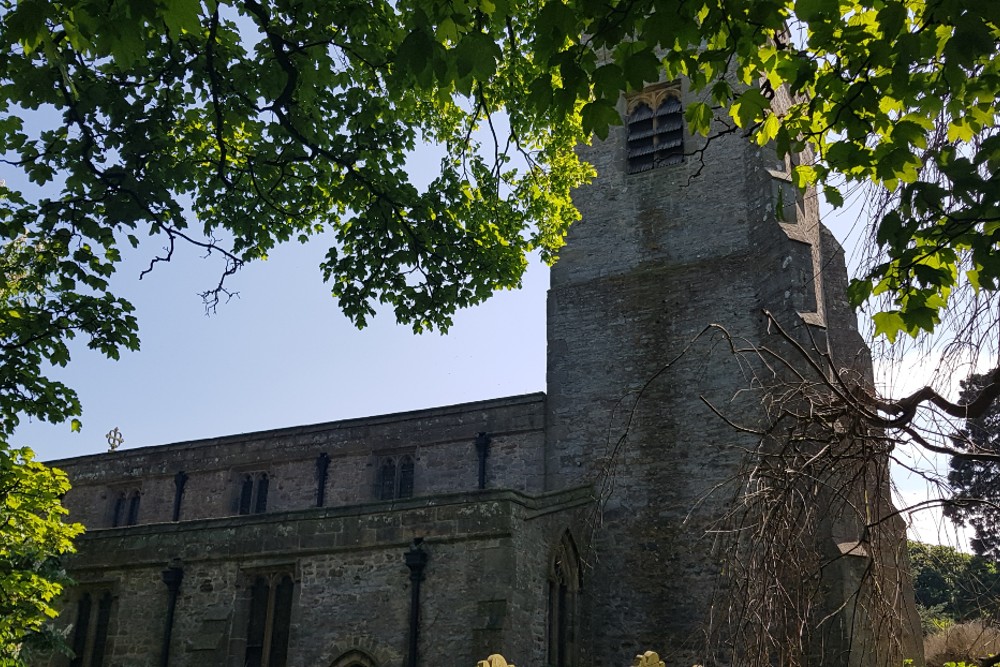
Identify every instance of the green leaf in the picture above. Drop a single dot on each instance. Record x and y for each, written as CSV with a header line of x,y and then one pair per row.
x,y
182,16
910,132
641,66
699,118
973,277
889,324
815,10
607,81
413,54
833,196
768,129
597,116
556,22
919,318
804,176
891,231
540,93
749,107
892,18
858,291
477,55
960,130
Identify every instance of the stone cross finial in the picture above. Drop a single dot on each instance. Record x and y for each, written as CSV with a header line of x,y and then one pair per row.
x,y
115,439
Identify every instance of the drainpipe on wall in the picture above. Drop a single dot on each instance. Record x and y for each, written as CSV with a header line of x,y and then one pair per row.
x,y
416,560
172,577
483,450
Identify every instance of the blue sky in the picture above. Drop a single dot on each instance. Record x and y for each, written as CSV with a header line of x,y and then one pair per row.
x,y
281,354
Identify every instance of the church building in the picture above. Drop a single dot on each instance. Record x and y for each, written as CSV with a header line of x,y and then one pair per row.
x,y
571,528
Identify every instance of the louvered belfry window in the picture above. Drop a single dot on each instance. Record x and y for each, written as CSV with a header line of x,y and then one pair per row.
x,y
655,129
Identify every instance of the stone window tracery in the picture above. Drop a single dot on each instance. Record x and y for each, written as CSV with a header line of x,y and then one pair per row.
x,y
270,619
90,629
406,470
354,658
125,511
655,123
395,477
387,479
253,493
564,587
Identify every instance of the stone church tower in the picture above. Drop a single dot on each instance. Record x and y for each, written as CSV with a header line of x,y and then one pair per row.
x,y
646,399
571,529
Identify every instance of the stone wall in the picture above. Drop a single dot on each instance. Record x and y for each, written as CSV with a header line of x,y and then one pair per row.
x,y
657,258
666,272
441,441
352,588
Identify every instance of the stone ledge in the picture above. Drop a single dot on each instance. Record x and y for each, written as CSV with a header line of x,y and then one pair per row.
x,y
494,404
442,518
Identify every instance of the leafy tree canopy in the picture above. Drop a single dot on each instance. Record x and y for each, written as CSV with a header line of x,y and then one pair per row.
x,y
33,532
952,586
32,539
975,483
239,125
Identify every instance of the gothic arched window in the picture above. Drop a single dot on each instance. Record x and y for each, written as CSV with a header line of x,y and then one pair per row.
x,y
395,477
125,511
81,629
354,658
133,509
260,502
118,513
90,629
246,494
405,487
655,124
269,624
564,586
253,493
387,479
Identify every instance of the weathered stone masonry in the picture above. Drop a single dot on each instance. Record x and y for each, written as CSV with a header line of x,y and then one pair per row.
x,y
442,442
547,535
346,559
